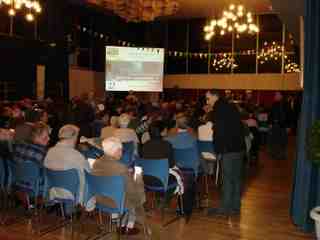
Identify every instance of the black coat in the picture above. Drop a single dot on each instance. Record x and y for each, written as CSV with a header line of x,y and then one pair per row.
x,y
228,128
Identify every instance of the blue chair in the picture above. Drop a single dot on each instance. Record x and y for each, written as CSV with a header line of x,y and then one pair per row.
x,y
8,170
2,174
128,154
67,180
112,187
12,170
159,169
3,189
28,178
205,146
187,159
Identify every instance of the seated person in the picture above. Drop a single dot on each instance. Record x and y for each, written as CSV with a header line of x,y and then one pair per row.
x,y
64,156
158,148
184,139
23,132
205,132
179,117
124,133
109,165
108,131
34,150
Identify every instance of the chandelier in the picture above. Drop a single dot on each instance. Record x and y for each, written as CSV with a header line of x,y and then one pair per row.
x,y
30,7
235,20
139,10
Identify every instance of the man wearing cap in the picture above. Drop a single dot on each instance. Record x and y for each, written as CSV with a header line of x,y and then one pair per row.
x,y
64,156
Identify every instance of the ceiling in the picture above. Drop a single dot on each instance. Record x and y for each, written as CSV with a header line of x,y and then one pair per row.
x,y
289,10
210,8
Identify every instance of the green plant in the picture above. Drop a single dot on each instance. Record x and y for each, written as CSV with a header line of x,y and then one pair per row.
x,y
313,143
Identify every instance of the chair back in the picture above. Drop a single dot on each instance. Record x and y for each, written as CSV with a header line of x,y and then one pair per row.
x,y
2,173
65,179
187,158
28,176
12,170
112,187
127,154
158,168
205,146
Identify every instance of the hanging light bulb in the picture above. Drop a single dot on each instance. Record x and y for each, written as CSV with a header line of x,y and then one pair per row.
x,y
29,17
12,12
207,37
213,23
206,29
230,28
232,7
222,32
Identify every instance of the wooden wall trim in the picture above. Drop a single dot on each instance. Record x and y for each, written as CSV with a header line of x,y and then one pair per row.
x,y
283,82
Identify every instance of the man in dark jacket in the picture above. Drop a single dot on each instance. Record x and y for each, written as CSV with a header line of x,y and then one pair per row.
x,y
229,146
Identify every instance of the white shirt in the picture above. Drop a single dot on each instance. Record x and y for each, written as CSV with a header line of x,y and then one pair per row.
x,y
64,157
205,132
107,132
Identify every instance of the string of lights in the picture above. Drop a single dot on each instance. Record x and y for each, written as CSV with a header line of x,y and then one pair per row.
x,y
292,67
226,62
270,52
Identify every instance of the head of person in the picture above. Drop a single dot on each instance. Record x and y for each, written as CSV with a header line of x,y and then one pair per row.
x,y
40,134
157,130
69,134
124,120
104,118
44,117
212,97
278,97
23,132
112,148
182,121
114,121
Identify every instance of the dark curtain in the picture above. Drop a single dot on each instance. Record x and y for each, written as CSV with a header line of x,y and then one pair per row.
x,y
306,188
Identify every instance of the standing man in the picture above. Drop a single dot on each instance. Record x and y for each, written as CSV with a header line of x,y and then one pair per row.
x,y
229,146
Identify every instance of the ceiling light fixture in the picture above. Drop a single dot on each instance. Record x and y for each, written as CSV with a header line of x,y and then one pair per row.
x,y
13,6
235,19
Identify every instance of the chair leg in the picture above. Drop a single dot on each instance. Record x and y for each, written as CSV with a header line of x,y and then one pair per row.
x,y
62,211
217,172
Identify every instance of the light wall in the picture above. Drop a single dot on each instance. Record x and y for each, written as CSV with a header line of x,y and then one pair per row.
x,y
235,81
84,81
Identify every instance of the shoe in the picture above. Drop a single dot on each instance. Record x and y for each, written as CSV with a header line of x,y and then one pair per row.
x,y
235,212
129,231
187,218
217,211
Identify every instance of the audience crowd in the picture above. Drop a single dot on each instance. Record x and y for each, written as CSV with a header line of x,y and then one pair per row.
x,y
62,136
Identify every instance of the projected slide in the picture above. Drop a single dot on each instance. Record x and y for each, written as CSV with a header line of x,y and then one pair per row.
x,y
136,69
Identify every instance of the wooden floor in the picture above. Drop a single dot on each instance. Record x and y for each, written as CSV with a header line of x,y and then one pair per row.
x,y
264,213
